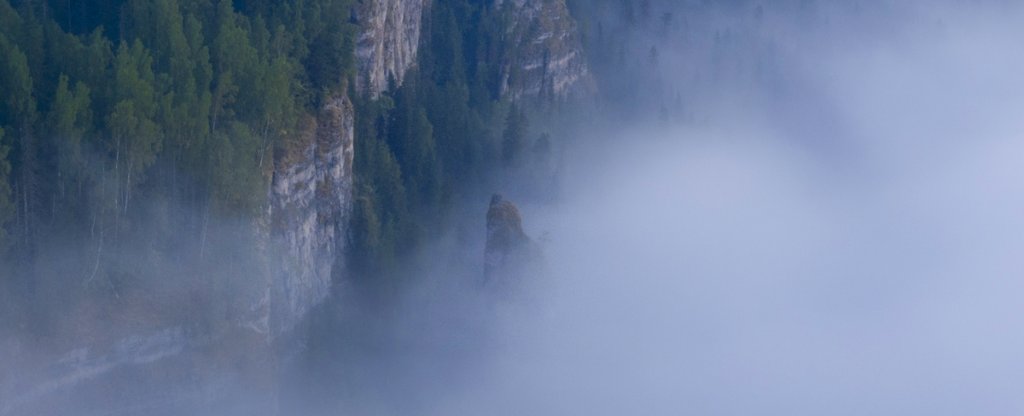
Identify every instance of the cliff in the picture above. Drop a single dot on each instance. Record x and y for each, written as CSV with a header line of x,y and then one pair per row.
x,y
544,55
388,42
543,51
309,206
301,236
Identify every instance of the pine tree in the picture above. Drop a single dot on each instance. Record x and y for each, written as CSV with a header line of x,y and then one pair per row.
x,y
6,204
69,119
514,137
135,137
18,115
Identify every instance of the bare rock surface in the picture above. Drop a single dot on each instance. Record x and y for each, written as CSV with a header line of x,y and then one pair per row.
x,y
388,42
509,253
544,53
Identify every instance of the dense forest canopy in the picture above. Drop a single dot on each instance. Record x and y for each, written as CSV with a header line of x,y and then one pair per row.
x,y
244,207
128,125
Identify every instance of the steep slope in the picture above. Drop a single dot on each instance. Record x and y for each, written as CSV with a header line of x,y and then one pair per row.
x,y
388,42
544,53
303,229
309,208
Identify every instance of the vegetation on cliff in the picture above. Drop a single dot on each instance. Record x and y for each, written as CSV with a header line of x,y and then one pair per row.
x,y
128,125
426,141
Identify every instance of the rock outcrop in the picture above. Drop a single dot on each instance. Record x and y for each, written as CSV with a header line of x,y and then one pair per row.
x,y
509,252
310,199
544,52
388,42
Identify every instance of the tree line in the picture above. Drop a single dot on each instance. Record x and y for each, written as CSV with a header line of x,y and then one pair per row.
x,y
110,108
422,144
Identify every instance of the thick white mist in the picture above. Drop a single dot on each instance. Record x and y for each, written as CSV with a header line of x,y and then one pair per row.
x,y
849,243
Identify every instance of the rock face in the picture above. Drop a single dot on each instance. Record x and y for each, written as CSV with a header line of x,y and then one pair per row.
x,y
310,199
509,252
545,55
388,42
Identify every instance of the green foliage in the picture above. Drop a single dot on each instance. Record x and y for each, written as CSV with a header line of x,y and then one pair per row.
x,y
236,179
135,138
233,58
17,104
18,116
410,136
6,204
381,220
69,119
514,137
184,101
423,142
366,238
187,101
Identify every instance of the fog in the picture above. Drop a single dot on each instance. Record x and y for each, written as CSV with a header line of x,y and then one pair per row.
x,y
794,208
840,236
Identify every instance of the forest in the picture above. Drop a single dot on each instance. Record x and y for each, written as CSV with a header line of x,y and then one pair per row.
x,y
511,207
131,124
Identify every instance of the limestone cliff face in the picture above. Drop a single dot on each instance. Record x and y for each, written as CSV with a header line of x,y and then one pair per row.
x,y
544,51
544,55
388,42
310,199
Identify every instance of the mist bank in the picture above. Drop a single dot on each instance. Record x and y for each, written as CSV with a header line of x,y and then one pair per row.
x,y
791,208
842,237
826,221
